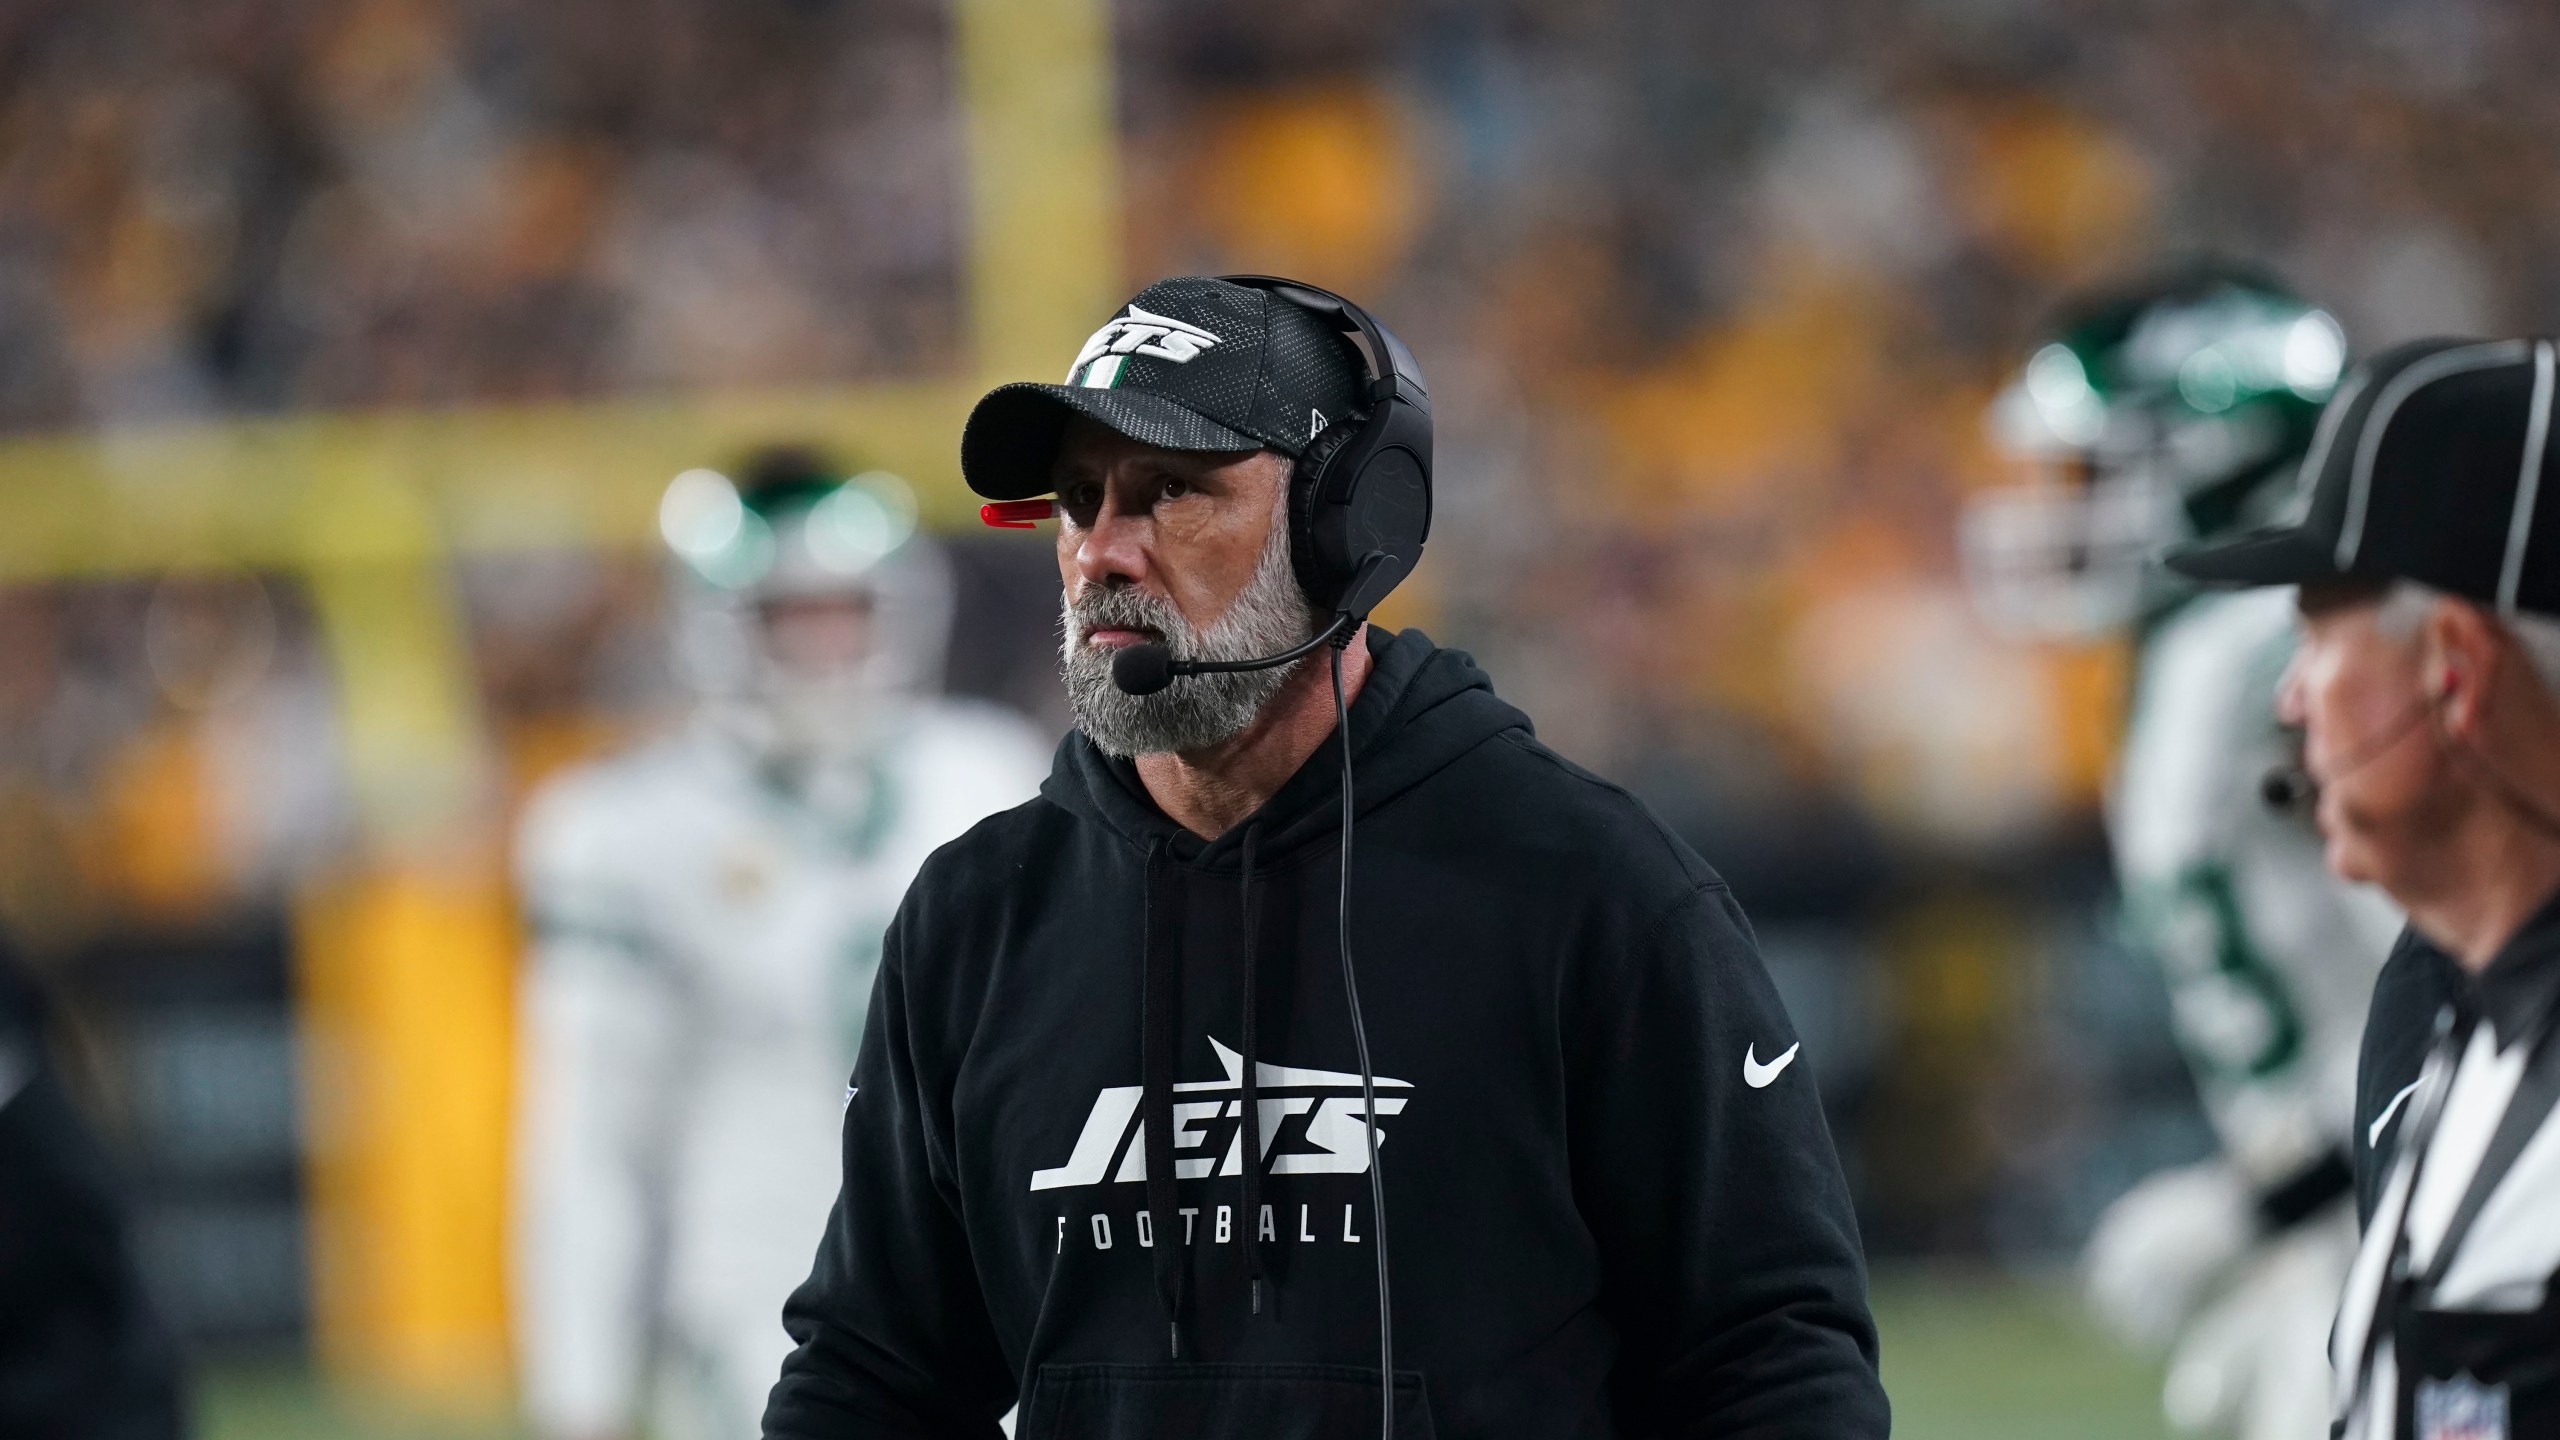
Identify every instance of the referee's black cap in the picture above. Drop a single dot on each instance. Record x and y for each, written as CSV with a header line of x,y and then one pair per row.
x,y
2432,463
1190,363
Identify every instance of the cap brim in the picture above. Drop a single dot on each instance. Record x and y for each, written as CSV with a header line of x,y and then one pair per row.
x,y
1012,436
2286,556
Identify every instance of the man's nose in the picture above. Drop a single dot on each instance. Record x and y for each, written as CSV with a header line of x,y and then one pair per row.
x,y
2290,709
1113,550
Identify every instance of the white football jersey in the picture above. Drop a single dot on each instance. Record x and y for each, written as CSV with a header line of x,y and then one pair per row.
x,y
2269,959
705,943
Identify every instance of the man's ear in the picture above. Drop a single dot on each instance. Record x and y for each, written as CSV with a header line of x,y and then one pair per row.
x,y
2463,650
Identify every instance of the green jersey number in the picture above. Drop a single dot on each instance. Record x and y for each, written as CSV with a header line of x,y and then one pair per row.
x,y
2234,1013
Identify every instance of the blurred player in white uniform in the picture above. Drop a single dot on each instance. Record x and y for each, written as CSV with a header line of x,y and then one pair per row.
x,y
708,912
2178,410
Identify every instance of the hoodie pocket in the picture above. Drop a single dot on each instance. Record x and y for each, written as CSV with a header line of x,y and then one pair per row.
x,y
1219,1402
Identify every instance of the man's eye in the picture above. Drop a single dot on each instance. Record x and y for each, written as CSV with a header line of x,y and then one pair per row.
x,y
1176,489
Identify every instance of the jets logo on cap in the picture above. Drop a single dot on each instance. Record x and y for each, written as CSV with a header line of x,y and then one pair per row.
x,y
1139,332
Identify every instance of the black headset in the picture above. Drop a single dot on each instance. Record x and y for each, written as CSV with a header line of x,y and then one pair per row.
x,y
1360,495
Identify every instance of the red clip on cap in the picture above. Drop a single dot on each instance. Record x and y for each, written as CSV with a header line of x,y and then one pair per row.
x,y
1017,514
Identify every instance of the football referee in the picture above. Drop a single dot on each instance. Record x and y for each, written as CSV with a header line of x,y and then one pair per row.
x,y
2427,553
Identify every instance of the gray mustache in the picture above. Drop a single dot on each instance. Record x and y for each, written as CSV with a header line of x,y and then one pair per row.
x,y
1131,610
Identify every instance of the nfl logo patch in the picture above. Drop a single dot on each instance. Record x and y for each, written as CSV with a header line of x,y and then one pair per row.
x,y
2461,1409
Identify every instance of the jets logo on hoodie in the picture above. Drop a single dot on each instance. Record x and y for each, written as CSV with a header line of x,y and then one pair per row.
x,y
1312,1124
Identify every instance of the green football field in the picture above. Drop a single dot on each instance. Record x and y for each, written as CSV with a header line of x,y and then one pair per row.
x,y
1981,1357
1967,1356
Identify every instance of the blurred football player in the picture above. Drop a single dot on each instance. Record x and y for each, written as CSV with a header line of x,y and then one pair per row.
x,y
2173,411
708,912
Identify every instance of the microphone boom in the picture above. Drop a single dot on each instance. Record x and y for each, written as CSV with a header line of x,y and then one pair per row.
x,y
1147,667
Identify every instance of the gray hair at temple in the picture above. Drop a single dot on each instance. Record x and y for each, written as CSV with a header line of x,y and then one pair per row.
x,y
2406,603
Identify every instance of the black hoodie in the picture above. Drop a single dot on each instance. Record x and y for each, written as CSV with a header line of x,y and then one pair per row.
x,y
1613,1205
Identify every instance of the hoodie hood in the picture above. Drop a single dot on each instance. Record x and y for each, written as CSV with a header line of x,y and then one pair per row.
x,y
1421,709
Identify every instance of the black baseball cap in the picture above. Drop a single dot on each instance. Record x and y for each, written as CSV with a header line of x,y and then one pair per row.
x,y
2432,463
1190,363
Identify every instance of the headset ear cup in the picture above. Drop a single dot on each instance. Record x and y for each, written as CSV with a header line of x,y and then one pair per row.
x,y
1321,576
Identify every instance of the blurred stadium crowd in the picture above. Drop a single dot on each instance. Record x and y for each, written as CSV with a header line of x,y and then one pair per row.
x,y
1713,298
265,206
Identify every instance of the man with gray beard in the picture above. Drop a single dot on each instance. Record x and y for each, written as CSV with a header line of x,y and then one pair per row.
x,y
1117,1146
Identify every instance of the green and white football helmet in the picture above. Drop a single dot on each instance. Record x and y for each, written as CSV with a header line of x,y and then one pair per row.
x,y
808,609
2171,410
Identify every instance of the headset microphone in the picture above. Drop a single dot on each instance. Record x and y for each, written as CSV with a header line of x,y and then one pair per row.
x,y
1147,667
2287,787
1142,669
2292,785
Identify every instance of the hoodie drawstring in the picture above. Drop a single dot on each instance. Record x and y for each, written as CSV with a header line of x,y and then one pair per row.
x,y
1159,1043
1249,1139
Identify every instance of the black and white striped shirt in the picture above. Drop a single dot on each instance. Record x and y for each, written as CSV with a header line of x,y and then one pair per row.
x,y
2450,1327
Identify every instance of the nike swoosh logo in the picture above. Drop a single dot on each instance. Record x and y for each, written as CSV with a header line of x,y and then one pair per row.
x,y
1757,1075
2373,1135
